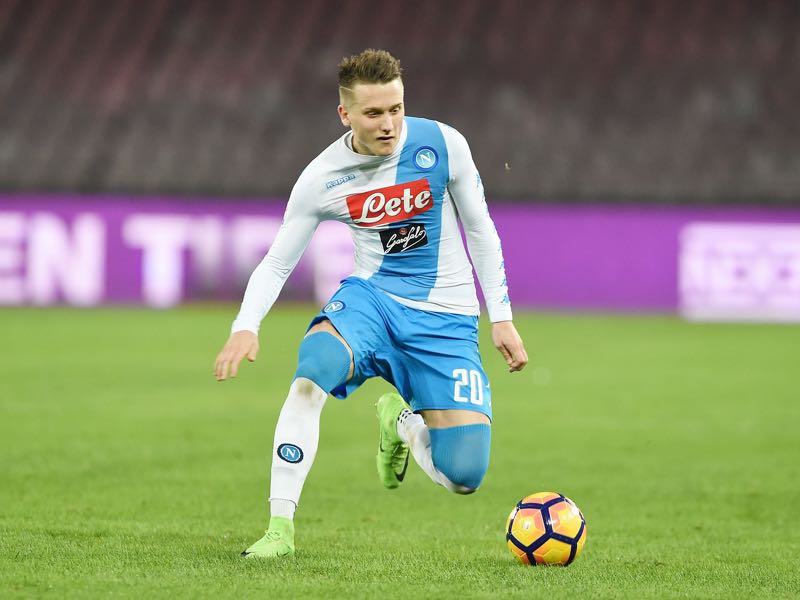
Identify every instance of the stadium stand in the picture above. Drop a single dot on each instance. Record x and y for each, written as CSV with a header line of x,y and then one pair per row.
x,y
684,101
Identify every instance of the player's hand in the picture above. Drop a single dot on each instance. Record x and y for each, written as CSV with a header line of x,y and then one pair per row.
x,y
507,341
240,345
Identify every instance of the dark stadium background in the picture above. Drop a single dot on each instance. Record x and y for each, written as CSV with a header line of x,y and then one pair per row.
x,y
666,101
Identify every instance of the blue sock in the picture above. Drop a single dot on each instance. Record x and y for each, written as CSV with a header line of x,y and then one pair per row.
x,y
462,453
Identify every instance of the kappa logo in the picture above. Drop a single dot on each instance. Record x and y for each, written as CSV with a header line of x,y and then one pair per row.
x,y
334,182
290,453
390,204
426,158
334,306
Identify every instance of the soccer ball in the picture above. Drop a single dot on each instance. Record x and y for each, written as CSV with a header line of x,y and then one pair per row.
x,y
546,528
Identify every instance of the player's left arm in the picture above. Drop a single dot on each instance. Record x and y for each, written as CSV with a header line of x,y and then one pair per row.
x,y
485,250
510,344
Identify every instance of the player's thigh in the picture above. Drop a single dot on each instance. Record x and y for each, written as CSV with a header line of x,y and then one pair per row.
x,y
449,384
327,327
355,314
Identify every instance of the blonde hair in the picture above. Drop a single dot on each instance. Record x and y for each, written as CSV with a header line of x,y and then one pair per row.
x,y
370,66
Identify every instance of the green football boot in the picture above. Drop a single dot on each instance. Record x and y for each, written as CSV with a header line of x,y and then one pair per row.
x,y
392,456
277,541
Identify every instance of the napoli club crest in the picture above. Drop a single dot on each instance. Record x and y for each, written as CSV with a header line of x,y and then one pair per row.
x,y
290,453
334,306
426,158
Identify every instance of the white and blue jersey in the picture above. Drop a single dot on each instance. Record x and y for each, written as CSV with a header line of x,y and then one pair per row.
x,y
403,212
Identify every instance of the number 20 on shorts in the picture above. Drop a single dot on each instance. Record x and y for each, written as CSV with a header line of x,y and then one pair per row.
x,y
472,380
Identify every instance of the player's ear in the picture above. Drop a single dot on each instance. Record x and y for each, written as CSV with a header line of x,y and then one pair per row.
x,y
344,115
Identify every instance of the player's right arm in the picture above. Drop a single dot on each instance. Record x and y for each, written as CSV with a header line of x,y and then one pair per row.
x,y
299,223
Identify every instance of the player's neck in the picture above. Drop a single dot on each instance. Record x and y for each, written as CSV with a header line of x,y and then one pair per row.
x,y
356,149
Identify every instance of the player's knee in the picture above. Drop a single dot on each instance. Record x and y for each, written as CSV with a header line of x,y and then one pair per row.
x,y
304,387
323,359
462,455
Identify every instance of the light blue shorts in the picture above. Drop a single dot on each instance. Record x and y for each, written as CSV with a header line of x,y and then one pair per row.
x,y
432,358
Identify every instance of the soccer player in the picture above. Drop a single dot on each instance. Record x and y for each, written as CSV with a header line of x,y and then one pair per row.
x,y
409,312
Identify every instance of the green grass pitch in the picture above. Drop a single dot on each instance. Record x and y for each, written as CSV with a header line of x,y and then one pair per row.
x,y
127,471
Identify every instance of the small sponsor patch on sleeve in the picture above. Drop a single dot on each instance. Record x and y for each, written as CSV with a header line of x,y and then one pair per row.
x,y
340,180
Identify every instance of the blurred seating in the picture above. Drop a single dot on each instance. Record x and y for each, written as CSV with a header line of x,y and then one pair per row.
x,y
565,100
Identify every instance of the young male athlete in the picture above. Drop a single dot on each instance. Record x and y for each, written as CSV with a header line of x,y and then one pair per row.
x,y
408,313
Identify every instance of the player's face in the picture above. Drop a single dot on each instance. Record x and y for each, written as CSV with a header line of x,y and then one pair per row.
x,y
374,111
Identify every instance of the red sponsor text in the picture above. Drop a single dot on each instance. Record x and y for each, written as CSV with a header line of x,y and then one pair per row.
x,y
390,204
